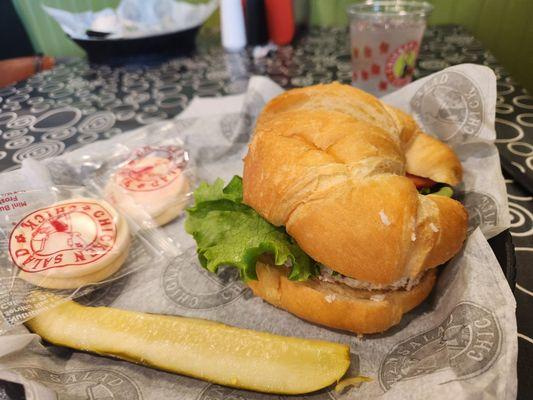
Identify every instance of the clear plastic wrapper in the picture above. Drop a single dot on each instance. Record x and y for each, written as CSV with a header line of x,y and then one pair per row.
x,y
148,176
151,183
64,240
90,217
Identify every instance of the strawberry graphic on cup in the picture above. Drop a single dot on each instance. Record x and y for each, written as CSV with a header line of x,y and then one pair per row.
x,y
383,47
382,67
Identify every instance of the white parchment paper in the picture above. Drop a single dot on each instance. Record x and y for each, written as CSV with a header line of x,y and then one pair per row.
x,y
134,18
457,105
460,343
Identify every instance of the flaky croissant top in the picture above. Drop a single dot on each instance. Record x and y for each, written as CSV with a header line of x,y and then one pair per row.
x,y
328,162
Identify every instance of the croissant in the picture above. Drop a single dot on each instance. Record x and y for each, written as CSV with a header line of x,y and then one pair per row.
x,y
329,163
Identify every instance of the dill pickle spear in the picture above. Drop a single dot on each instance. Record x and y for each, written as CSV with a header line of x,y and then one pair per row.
x,y
215,352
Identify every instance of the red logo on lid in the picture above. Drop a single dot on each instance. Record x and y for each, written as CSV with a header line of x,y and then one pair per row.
x,y
67,234
401,64
151,169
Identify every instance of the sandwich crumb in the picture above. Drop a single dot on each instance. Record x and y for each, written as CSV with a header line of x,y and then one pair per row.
x,y
377,297
384,218
330,298
433,227
413,237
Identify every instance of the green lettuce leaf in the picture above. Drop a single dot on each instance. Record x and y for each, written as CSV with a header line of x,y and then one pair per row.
x,y
228,232
439,190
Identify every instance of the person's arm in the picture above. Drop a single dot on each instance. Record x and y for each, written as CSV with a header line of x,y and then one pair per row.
x,y
17,69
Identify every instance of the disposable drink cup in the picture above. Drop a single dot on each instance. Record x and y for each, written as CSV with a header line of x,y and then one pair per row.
x,y
385,38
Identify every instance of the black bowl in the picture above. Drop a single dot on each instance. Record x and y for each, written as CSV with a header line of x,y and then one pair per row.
x,y
503,248
139,50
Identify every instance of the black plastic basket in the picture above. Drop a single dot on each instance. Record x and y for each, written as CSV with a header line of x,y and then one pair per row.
x,y
134,50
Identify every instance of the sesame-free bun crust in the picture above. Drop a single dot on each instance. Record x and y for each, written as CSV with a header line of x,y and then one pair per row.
x,y
328,162
337,305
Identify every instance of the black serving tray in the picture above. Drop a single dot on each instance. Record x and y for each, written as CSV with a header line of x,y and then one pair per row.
x,y
503,248
124,51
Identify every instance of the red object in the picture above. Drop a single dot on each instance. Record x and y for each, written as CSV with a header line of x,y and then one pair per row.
x,y
375,69
58,225
420,182
280,21
383,47
368,52
355,52
364,75
383,85
17,69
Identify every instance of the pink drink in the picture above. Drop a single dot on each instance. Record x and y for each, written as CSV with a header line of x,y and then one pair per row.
x,y
385,38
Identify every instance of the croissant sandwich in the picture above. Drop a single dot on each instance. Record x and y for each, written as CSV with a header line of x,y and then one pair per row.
x,y
343,212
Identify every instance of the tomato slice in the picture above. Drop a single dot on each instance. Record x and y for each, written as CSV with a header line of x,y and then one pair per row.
x,y
420,182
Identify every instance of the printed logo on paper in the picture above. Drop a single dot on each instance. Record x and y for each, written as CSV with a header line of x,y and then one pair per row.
x,y
236,127
467,342
93,384
215,392
151,168
449,103
254,103
183,124
482,210
400,64
68,234
188,285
